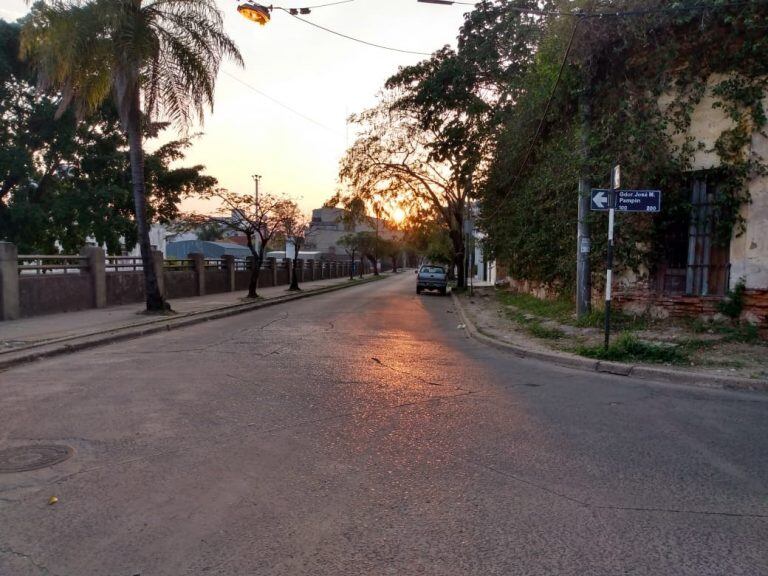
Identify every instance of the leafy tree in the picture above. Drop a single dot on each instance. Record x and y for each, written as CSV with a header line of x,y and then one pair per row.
x,y
64,181
261,221
164,53
392,159
392,249
370,246
351,244
295,226
620,67
210,232
425,237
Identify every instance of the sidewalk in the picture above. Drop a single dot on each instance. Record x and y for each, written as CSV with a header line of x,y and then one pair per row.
x,y
488,320
41,336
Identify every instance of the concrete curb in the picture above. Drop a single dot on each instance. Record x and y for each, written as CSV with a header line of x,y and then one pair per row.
x,y
102,338
617,368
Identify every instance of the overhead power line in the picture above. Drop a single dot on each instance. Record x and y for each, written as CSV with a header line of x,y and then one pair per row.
x,y
329,4
281,104
373,44
614,13
294,12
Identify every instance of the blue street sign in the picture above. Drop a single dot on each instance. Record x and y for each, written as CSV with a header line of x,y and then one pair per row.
x,y
627,200
601,199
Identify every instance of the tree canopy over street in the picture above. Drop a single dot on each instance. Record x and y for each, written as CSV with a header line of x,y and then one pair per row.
x,y
501,122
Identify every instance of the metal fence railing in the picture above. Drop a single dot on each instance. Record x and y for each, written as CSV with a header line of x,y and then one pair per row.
x,y
51,264
178,264
124,264
215,264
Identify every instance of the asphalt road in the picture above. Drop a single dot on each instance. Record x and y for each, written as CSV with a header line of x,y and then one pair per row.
x,y
362,433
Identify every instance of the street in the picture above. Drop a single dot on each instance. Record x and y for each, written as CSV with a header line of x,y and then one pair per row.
x,y
363,433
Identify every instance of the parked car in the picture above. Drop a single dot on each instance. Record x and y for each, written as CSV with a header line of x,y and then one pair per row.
x,y
431,277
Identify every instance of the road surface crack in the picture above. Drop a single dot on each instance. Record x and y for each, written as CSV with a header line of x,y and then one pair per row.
x,y
590,506
677,511
412,375
27,557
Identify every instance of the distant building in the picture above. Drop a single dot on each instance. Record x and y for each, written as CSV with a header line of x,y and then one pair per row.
x,y
328,227
183,248
282,255
159,236
482,269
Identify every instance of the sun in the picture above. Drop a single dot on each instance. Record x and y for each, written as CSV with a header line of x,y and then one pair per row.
x,y
398,215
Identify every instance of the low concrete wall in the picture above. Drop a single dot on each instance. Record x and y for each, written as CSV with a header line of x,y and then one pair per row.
x,y
52,293
180,283
124,287
242,277
95,281
216,281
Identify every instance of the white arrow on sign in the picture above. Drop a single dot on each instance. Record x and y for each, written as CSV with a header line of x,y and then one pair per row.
x,y
600,199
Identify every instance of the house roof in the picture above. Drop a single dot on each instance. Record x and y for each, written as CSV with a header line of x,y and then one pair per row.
x,y
183,248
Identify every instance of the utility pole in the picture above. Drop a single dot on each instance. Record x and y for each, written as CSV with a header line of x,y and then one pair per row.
x,y
583,241
256,180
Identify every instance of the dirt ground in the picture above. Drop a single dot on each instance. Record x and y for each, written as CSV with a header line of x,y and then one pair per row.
x,y
704,348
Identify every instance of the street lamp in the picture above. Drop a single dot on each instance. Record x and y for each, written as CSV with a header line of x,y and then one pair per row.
x,y
254,12
446,2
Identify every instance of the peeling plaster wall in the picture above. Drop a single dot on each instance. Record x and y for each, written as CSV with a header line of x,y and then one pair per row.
x,y
707,123
748,252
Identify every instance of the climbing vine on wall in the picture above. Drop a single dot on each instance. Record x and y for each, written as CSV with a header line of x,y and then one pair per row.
x,y
642,78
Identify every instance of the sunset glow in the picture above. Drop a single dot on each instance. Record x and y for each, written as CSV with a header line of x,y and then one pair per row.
x,y
298,86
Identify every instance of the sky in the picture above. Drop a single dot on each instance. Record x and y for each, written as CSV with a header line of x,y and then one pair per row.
x,y
321,77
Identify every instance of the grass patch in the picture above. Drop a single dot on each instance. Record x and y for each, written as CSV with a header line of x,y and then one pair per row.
x,y
695,345
594,319
629,348
545,332
743,333
619,321
561,310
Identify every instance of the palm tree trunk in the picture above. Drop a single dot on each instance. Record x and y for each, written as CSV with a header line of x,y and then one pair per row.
x,y
155,300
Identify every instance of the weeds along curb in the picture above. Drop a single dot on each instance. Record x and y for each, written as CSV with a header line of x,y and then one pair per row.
x,y
76,343
617,368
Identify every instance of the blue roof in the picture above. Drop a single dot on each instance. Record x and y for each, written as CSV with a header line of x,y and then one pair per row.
x,y
183,248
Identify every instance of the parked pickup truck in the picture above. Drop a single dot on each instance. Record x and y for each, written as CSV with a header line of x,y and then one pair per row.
x,y
432,278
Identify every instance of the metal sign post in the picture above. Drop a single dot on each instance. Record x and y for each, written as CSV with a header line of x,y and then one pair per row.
x,y
615,184
648,201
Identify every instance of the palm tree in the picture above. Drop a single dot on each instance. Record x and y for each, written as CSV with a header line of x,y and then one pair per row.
x,y
154,57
